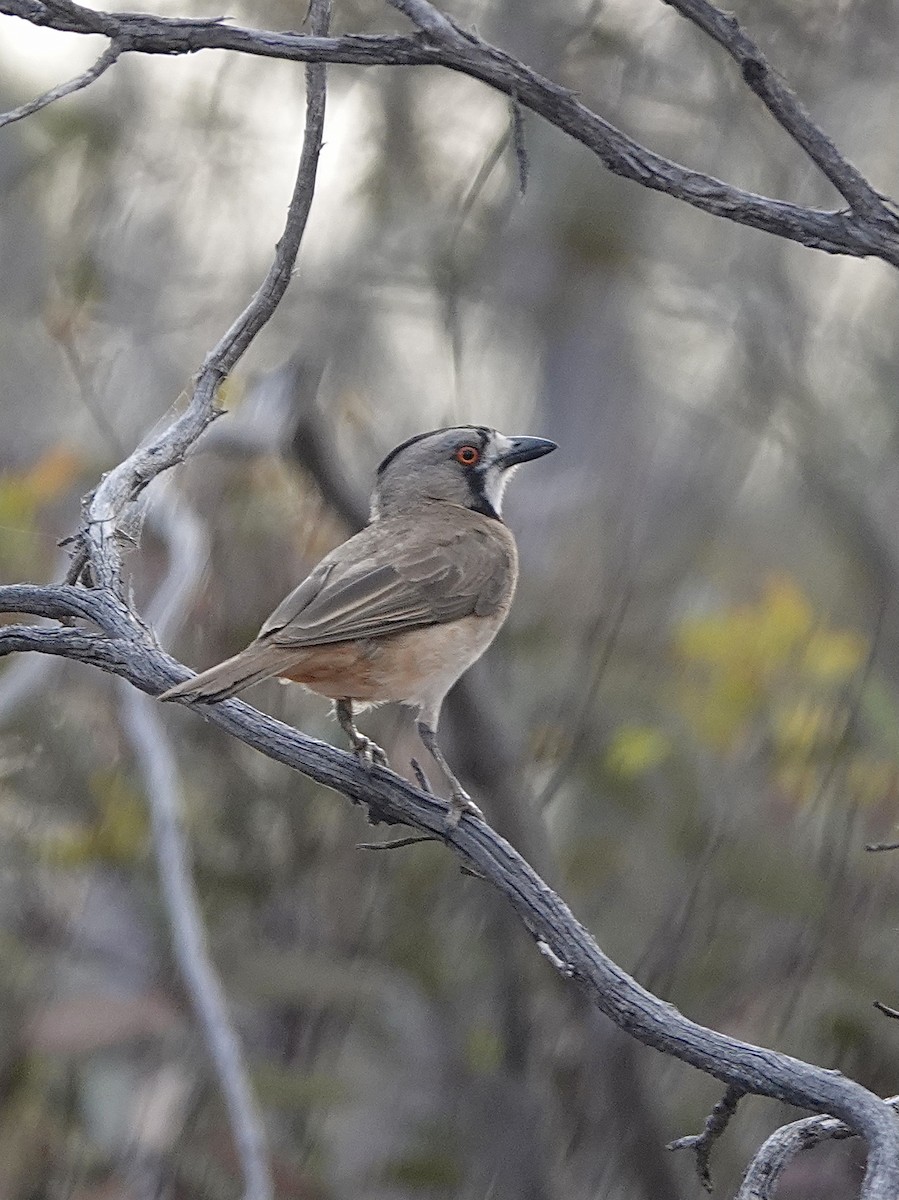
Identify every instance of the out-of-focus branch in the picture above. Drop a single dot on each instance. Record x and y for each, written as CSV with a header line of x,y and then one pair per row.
x,y
774,1155
184,537
568,946
20,681
870,229
147,732
103,63
159,770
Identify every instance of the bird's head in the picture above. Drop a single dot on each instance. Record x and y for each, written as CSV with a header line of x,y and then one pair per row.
x,y
468,465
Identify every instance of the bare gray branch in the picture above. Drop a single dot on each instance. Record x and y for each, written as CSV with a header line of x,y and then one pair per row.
x,y
786,108
98,541
856,233
103,63
761,1178
388,798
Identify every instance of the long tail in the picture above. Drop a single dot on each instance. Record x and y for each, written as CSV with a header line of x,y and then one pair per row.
x,y
231,676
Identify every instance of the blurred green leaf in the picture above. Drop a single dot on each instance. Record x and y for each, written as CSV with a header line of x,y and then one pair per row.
x,y
483,1050
636,749
288,1088
419,1171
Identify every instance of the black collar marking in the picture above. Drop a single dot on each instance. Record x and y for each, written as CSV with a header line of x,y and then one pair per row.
x,y
479,502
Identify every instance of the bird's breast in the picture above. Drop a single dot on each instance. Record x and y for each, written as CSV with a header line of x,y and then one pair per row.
x,y
417,667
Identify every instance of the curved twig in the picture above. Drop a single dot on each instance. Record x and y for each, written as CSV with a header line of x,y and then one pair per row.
x,y
97,544
110,55
774,1155
715,1124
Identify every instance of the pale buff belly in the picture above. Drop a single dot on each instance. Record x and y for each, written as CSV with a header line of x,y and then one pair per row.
x,y
417,668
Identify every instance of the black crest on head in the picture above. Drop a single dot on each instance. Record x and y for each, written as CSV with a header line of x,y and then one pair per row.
x,y
482,430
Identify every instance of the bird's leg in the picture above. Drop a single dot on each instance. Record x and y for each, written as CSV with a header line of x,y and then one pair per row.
x,y
420,777
461,802
364,748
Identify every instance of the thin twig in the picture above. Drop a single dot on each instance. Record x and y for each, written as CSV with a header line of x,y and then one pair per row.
x,y
886,1010
519,145
103,63
105,510
715,1124
420,776
397,843
784,105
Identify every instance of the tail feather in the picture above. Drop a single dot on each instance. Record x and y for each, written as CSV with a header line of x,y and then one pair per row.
x,y
231,676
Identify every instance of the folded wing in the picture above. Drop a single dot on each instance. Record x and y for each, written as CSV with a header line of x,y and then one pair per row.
x,y
426,581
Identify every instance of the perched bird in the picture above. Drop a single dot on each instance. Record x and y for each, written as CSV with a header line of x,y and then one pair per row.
x,y
399,611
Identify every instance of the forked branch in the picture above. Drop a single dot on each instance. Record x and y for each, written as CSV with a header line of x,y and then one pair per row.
x,y
870,228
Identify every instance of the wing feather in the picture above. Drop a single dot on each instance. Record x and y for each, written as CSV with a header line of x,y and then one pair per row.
x,y
426,580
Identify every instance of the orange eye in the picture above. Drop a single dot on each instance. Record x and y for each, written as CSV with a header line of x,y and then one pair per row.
x,y
468,455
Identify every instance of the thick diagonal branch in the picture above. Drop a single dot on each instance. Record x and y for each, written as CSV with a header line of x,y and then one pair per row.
x,y
568,946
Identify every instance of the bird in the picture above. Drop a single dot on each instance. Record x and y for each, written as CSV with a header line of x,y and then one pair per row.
x,y
398,612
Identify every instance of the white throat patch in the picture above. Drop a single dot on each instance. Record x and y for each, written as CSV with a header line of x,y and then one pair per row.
x,y
495,476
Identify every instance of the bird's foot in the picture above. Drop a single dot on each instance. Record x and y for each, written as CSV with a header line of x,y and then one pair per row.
x,y
368,752
461,803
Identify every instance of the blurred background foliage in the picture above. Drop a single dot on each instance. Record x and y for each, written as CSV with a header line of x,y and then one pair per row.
x,y
690,722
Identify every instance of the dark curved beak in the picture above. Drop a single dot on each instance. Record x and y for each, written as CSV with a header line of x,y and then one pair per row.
x,y
523,449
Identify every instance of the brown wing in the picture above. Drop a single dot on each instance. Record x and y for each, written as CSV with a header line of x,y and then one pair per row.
x,y
397,576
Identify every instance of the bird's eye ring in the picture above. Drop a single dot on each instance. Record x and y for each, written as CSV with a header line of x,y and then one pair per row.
x,y
468,456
